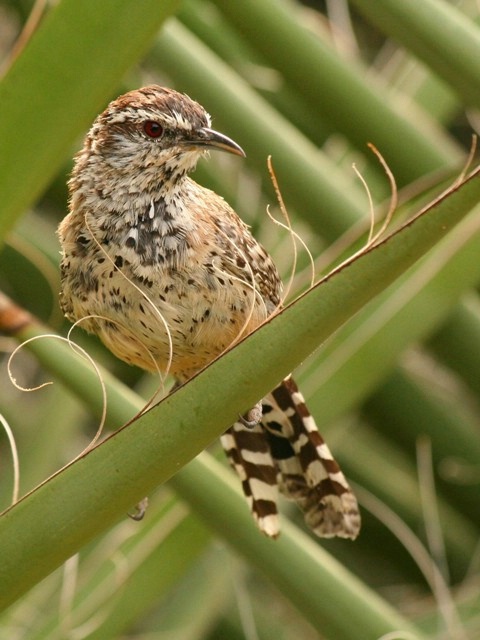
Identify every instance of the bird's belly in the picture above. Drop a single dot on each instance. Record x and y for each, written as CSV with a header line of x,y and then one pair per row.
x,y
177,325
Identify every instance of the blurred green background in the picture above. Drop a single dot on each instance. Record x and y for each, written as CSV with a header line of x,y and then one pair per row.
x,y
395,391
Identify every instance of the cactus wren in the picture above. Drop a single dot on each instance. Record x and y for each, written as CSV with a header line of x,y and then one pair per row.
x,y
168,276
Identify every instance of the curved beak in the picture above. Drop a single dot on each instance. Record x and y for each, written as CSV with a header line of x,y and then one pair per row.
x,y
210,138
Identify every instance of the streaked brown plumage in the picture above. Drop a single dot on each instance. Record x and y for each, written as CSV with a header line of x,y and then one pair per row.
x,y
168,276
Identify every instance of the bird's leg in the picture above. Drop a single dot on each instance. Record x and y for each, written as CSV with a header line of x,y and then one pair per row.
x,y
140,510
252,417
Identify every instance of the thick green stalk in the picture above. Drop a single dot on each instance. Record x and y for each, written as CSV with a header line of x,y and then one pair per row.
x,y
360,354
339,89
90,495
318,585
436,32
457,342
73,62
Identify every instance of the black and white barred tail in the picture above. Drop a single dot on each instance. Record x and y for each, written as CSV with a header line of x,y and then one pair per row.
x,y
285,451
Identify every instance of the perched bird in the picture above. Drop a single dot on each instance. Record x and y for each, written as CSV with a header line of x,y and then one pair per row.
x,y
168,276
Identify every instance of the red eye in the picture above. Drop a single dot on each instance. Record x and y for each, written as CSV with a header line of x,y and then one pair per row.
x,y
152,129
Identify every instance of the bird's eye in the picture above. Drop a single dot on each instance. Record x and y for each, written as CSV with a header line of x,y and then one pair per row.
x,y
152,129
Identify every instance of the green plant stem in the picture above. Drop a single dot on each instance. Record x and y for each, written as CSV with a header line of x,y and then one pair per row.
x,y
95,43
315,572
457,341
338,89
91,494
437,33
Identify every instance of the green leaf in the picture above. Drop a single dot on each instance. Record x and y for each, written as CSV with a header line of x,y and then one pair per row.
x,y
439,34
87,497
363,110
361,353
95,43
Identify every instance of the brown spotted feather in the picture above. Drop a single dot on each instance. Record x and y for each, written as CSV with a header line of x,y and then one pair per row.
x,y
168,276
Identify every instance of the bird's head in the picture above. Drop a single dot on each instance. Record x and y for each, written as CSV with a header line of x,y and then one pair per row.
x,y
155,133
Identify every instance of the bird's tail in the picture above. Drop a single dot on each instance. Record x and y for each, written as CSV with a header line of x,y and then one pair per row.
x,y
285,451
